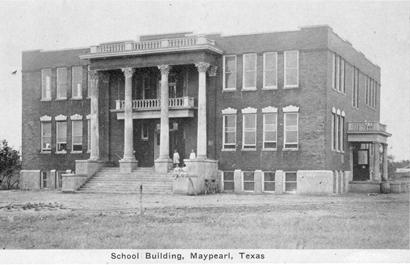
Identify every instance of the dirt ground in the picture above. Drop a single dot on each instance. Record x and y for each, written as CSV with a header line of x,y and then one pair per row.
x,y
46,219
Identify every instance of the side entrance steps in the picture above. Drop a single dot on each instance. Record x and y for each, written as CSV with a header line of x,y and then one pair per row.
x,y
110,180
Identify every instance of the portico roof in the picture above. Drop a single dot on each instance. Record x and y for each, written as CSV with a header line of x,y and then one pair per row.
x,y
367,132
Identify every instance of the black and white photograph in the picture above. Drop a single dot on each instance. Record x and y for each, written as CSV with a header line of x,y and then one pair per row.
x,y
177,131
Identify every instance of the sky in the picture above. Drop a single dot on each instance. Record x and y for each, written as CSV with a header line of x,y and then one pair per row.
x,y
379,29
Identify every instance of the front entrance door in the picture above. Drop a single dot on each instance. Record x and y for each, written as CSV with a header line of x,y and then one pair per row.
x,y
361,162
176,140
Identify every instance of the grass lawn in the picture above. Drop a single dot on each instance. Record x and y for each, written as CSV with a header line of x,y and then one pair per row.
x,y
214,221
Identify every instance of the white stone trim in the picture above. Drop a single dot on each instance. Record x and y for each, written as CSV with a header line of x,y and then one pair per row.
x,y
229,111
60,118
76,117
338,112
45,118
249,110
88,116
333,109
269,109
343,113
290,108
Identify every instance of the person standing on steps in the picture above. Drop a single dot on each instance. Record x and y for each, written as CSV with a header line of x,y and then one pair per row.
x,y
175,158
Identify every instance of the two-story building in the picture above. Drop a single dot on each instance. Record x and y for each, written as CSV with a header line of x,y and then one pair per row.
x,y
293,111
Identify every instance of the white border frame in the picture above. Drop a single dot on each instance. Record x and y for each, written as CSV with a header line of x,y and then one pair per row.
x,y
264,86
252,88
223,73
284,69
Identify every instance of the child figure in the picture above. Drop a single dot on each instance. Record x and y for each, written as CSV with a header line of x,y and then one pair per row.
x,y
192,155
175,158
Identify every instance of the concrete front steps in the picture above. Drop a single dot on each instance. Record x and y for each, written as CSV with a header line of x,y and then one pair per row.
x,y
110,180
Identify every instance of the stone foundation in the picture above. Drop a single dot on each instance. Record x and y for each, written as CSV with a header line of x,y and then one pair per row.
x,y
72,182
314,182
30,180
163,165
127,166
364,186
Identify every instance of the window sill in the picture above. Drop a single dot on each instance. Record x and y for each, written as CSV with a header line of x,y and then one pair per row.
x,y
268,191
77,98
269,149
61,152
339,92
76,152
290,149
249,89
228,89
228,150
45,99
290,87
45,152
270,88
61,99
250,149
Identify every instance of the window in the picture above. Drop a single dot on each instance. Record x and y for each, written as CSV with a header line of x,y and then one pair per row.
x,y
338,125
269,130
291,124
355,85
338,73
341,133
46,84
290,181
249,71
44,179
291,69
270,63
229,78
45,136
248,180
144,131
229,132
269,181
61,136
89,134
77,136
77,80
249,131
61,83
228,181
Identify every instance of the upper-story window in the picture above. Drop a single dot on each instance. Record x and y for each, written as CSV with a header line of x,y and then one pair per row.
x,y
291,69
249,129
229,69
338,73
46,84
62,83
249,71
355,85
229,129
270,73
77,81
291,127
370,92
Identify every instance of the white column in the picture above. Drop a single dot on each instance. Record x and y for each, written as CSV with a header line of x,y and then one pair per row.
x,y
128,128
385,164
164,133
201,132
95,150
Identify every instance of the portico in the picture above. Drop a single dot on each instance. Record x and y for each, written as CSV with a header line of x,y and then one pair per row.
x,y
131,110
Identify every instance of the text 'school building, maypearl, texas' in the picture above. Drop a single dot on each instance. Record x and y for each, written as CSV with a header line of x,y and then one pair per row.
x,y
293,111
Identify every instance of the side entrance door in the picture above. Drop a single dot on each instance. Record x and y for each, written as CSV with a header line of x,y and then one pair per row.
x,y
361,162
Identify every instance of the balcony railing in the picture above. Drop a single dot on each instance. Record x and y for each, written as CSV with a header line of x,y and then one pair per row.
x,y
155,104
127,46
365,127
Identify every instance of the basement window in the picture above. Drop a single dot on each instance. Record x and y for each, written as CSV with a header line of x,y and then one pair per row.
x,y
248,181
228,181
